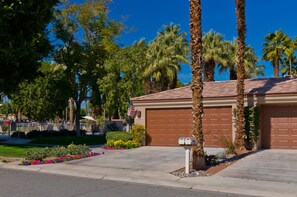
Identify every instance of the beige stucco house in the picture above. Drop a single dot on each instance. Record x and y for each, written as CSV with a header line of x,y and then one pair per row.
x,y
168,115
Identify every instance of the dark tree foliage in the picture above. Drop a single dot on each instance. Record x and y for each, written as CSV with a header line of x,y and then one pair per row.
x,y
23,39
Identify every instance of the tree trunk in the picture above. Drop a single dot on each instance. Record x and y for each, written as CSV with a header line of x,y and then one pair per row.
x,y
197,84
290,69
148,86
154,87
276,67
209,69
232,73
174,82
71,114
77,118
241,29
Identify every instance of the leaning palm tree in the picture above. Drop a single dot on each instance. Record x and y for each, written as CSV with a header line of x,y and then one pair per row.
x,y
213,53
252,69
274,48
197,84
241,30
165,54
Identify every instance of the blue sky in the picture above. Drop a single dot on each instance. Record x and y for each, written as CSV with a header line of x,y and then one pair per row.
x,y
262,17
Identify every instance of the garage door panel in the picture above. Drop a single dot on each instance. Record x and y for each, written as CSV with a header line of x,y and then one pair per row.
x,y
175,123
279,127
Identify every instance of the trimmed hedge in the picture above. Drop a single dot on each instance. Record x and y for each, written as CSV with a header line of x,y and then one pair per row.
x,y
46,133
119,135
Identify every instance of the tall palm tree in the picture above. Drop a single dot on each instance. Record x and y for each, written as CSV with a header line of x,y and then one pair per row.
x,y
290,47
165,54
241,30
213,53
250,60
197,84
274,48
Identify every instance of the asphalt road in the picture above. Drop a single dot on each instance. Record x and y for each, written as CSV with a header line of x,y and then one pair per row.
x,y
32,184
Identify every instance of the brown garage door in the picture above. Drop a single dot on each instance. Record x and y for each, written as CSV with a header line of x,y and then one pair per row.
x,y
279,127
165,126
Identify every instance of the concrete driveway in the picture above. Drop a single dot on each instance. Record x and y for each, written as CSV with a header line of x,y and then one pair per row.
x,y
146,158
265,165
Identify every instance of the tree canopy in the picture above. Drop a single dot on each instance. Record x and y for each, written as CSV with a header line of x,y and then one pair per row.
x,y
24,42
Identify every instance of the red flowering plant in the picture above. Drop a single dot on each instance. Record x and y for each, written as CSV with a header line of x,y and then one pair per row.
x,y
54,155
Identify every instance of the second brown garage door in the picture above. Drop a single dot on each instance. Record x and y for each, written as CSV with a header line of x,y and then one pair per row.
x,y
165,126
279,127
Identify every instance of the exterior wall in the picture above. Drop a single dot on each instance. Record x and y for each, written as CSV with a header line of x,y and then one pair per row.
x,y
249,101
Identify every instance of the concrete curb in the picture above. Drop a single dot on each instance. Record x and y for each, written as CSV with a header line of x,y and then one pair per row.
x,y
214,183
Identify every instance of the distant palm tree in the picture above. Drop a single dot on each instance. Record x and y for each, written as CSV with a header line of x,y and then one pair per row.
x,y
289,58
241,30
274,48
165,54
197,84
250,61
213,53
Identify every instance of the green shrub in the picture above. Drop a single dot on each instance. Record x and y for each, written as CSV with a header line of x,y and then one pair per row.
x,y
5,127
119,135
18,134
211,160
37,154
228,145
138,133
131,144
110,143
119,144
78,149
59,151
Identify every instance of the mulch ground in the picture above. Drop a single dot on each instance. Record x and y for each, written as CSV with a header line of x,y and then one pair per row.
x,y
210,170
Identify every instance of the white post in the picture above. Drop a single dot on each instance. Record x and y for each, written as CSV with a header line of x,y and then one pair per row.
x,y
187,161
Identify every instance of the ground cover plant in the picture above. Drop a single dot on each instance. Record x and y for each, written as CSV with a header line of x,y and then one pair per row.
x,y
57,154
19,151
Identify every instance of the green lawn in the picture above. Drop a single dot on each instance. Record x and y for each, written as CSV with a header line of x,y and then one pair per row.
x,y
63,141
15,150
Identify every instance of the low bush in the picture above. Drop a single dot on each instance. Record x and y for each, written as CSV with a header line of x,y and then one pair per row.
x,y
110,143
119,144
19,134
138,133
46,133
37,154
228,145
131,144
119,135
5,127
78,149
59,151
211,160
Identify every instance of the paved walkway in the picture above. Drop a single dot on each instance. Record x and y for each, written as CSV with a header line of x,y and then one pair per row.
x,y
151,165
266,165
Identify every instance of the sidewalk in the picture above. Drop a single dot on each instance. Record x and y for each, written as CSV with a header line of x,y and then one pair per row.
x,y
160,178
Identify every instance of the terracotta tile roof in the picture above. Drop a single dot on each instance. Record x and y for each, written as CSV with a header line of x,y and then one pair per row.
x,y
218,89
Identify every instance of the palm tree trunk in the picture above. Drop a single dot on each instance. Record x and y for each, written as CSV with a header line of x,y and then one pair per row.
x,y
290,61
148,86
209,69
276,67
197,84
232,73
241,29
174,82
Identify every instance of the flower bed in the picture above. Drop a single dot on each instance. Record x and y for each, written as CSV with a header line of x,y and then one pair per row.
x,y
59,159
113,148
